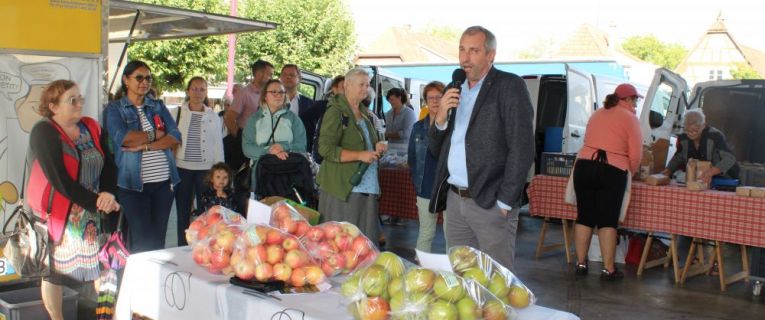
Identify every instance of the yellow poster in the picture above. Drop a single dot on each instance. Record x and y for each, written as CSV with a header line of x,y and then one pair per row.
x,y
51,25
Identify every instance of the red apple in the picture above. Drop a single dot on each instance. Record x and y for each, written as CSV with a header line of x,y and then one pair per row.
x,y
302,228
376,308
361,246
343,241
294,259
282,272
315,234
202,233
274,237
337,261
288,225
201,254
220,259
225,240
256,254
331,230
314,275
351,260
325,249
263,272
213,217
290,243
327,269
298,277
244,270
238,256
197,224
281,211
228,271
274,254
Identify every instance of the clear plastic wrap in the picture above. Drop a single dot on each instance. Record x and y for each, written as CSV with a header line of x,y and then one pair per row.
x,y
339,247
384,291
471,263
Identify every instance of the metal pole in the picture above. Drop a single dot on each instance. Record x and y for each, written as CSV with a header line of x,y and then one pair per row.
x,y
231,54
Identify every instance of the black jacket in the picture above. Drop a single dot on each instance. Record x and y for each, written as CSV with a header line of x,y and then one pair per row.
x,y
499,143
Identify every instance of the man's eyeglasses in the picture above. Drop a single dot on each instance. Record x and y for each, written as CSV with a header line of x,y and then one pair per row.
x,y
276,93
74,100
140,78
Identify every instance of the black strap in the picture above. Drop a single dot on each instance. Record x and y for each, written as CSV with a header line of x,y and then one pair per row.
x,y
273,130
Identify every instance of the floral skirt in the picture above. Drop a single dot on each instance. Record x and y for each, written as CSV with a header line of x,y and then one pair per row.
x,y
75,258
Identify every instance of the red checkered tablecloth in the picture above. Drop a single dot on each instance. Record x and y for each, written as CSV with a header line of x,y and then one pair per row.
x,y
398,197
710,214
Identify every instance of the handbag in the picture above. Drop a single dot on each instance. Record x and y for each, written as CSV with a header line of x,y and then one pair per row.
x,y
113,256
26,246
114,253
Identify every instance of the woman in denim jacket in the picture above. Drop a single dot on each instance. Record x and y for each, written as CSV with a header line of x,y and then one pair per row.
x,y
422,165
143,135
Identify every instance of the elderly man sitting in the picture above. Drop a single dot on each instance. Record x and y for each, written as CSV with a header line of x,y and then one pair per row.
x,y
704,143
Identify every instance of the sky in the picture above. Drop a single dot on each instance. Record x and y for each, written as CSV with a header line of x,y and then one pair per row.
x,y
518,24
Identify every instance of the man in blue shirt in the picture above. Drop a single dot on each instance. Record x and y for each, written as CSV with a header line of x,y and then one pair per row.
x,y
484,139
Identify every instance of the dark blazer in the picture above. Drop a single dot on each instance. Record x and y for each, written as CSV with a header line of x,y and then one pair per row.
x,y
499,143
304,103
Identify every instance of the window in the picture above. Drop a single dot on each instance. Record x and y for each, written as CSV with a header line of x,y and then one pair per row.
x,y
719,74
715,74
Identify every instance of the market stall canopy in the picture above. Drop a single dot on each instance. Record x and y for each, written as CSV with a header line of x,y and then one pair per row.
x,y
160,23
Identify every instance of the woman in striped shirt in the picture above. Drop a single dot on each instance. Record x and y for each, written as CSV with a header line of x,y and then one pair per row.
x,y
143,133
201,148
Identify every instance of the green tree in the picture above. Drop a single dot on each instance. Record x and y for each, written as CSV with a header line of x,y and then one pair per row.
x,y
651,49
173,62
744,71
317,35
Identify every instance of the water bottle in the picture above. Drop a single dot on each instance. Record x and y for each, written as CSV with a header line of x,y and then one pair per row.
x,y
356,177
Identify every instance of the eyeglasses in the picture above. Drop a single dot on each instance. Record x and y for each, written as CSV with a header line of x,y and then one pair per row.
x,y
434,98
276,93
74,100
141,78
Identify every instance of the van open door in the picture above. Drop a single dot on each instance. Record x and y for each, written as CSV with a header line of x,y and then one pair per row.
x,y
580,105
664,105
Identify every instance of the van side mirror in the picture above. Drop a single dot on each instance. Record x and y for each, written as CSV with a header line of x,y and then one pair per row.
x,y
655,119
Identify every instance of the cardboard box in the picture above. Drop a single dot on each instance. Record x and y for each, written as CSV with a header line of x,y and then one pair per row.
x,y
757,193
309,214
743,191
657,180
646,164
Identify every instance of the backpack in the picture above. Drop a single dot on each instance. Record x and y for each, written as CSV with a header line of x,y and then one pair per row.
x,y
315,146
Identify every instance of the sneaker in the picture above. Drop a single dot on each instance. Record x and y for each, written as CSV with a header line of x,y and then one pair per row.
x,y
611,276
581,269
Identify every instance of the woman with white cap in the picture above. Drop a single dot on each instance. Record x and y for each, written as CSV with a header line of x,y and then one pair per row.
x,y
612,151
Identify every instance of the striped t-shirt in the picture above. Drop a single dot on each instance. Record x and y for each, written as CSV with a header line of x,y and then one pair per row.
x,y
153,163
193,150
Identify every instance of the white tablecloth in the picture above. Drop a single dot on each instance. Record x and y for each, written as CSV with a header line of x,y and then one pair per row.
x,y
166,284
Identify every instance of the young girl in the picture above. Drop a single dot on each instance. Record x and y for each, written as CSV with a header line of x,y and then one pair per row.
x,y
219,191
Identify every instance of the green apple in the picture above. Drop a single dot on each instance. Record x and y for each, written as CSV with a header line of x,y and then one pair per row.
x,y
448,287
351,287
395,286
494,310
461,258
374,281
419,280
391,262
442,310
498,286
519,297
467,309
476,275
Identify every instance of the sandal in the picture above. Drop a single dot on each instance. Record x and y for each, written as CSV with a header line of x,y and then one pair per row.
x,y
611,276
581,269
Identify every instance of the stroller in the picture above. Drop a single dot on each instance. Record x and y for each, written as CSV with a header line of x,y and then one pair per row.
x,y
291,178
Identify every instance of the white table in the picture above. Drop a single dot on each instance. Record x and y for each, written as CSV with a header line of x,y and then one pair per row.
x,y
166,284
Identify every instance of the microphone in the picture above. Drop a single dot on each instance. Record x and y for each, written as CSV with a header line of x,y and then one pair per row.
x,y
458,77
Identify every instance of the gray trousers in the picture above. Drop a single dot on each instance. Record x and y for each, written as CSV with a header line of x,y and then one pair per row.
x,y
360,210
487,230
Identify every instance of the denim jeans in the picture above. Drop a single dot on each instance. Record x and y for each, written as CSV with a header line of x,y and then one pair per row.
x,y
147,213
192,185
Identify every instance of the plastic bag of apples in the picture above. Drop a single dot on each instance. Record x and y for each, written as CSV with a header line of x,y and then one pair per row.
x,y
339,247
471,263
386,290
264,253
211,222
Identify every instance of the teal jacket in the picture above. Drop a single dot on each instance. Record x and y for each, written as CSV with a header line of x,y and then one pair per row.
x,y
289,133
339,131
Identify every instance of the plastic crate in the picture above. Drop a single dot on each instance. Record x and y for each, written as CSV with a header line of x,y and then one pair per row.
x,y
557,164
23,304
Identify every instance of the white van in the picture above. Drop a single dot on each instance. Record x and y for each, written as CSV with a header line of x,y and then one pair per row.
x,y
735,107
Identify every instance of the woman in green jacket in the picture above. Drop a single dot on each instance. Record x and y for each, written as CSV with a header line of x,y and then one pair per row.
x,y
273,129
348,183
